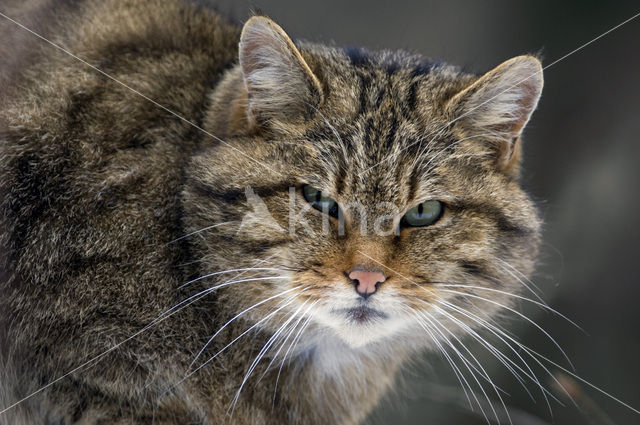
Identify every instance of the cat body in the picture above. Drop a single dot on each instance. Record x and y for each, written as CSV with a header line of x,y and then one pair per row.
x,y
128,194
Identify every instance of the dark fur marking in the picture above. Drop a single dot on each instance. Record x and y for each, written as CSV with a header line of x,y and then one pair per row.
x,y
357,56
503,223
425,67
364,87
472,267
411,95
391,134
233,195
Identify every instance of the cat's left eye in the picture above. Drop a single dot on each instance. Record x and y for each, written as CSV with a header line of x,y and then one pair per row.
x,y
424,214
320,201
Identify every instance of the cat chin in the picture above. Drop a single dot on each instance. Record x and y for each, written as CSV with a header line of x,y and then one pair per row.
x,y
358,334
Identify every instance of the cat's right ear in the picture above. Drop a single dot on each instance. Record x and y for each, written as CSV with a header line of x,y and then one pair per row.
x,y
498,105
280,85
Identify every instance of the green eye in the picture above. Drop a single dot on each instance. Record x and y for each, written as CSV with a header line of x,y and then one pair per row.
x,y
320,201
423,214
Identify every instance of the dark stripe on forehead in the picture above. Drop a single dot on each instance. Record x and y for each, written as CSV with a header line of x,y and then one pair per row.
x,y
357,56
391,67
391,134
340,179
365,81
425,67
420,70
411,95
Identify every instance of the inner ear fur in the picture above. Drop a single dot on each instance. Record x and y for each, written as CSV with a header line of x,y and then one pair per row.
x,y
499,105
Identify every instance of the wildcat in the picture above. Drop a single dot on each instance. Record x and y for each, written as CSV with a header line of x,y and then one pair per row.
x,y
225,226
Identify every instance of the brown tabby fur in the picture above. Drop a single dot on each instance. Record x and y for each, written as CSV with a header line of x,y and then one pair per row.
x,y
98,183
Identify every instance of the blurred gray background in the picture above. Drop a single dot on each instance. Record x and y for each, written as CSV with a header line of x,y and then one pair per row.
x,y
582,157
581,153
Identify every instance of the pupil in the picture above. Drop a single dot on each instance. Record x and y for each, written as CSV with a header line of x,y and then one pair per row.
x,y
420,209
318,196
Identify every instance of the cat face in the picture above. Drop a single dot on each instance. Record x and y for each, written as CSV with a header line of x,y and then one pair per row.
x,y
372,195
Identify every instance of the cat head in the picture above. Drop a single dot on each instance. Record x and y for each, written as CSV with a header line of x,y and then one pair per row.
x,y
371,195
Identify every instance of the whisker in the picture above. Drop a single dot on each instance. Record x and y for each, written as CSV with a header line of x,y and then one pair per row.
x,y
483,374
514,311
617,400
509,294
497,331
292,346
421,150
284,342
209,360
522,275
229,271
446,148
333,130
213,226
237,316
283,266
96,359
459,375
206,291
262,353
505,360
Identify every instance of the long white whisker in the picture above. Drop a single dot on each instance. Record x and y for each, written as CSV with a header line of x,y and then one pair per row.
x,y
482,372
509,294
333,130
292,346
532,353
112,78
262,352
94,360
421,150
584,381
446,148
506,361
213,226
286,338
454,367
246,269
258,323
238,315
529,285
497,331
459,117
514,311
222,285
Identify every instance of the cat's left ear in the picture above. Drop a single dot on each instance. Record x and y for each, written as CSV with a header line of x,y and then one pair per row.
x,y
498,105
280,85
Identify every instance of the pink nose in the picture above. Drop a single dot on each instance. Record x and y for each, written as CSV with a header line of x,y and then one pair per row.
x,y
366,282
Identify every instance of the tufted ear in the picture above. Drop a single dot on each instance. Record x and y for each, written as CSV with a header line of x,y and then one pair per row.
x,y
500,104
279,83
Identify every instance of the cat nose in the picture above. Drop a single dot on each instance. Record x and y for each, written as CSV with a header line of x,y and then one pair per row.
x,y
366,282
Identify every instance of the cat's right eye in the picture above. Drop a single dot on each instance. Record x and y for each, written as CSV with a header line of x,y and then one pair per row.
x,y
320,201
424,214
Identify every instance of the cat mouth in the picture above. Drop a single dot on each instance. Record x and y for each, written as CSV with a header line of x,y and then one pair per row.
x,y
362,314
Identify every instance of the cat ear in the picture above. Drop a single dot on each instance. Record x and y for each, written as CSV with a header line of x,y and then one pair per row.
x,y
499,105
280,85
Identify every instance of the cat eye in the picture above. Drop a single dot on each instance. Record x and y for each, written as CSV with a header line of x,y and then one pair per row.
x,y
320,201
424,214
